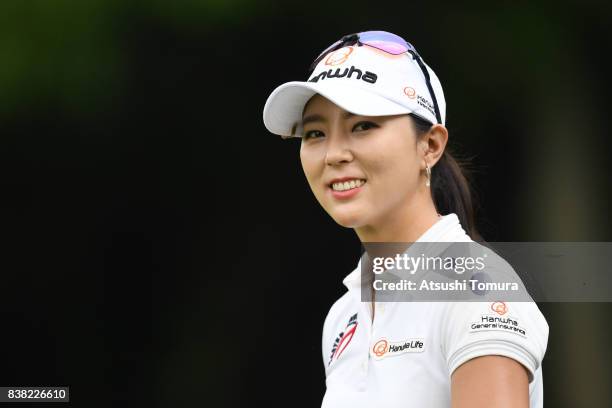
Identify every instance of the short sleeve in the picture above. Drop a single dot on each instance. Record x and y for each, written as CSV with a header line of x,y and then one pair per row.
x,y
517,330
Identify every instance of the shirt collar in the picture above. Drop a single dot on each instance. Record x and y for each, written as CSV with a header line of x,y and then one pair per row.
x,y
446,229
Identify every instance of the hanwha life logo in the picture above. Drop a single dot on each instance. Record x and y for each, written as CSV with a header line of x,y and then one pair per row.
x,y
499,307
380,348
410,92
384,348
338,57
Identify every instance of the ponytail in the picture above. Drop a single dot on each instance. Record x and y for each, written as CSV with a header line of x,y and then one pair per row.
x,y
452,193
450,188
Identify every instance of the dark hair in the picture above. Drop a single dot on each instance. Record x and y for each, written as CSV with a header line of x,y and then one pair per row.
x,y
450,188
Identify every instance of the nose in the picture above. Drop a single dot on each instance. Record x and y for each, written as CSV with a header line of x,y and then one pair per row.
x,y
338,150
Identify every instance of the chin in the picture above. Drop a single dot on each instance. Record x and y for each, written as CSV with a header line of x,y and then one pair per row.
x,y
348,220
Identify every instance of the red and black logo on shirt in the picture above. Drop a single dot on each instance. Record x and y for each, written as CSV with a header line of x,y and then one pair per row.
x,y
343,339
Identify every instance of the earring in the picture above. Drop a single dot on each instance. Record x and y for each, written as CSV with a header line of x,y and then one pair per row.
x,y
428,181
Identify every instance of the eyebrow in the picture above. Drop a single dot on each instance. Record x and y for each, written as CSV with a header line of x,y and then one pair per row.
x,y
320,118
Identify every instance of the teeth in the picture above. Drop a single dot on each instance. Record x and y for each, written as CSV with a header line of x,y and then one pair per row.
x,y
348,185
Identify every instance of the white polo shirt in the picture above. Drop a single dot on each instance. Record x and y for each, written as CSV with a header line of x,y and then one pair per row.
x,y
406,357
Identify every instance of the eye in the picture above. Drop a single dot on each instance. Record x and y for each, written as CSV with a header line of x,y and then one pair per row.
x,y
363,126
312,134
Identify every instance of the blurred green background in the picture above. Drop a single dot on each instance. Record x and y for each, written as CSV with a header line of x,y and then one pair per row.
x,y
151,225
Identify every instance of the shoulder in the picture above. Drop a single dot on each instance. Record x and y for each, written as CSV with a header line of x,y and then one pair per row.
x,y
341,316
338,310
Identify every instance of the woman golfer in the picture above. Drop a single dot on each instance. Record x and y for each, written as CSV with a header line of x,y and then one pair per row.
x,y
371,119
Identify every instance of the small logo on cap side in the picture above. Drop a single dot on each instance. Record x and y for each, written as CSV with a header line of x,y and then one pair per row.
x,y
410,92
339,56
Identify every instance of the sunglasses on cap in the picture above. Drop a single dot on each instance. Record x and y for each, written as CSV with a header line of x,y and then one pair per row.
x,y
389,43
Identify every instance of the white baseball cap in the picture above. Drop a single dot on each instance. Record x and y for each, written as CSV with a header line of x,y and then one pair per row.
x,y
362,80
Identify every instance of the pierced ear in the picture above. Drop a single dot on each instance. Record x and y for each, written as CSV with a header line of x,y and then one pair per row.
x,y
439,134
425,149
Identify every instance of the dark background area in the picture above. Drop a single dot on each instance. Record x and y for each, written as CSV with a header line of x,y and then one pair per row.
x,y
159,246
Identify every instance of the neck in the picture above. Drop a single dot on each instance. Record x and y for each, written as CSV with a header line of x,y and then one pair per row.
x,y
405,225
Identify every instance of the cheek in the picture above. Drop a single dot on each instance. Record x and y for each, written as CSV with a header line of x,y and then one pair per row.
x,y
393,163
310,165
394,178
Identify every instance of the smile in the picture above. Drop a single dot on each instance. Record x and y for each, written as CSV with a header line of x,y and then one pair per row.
x,y
348,185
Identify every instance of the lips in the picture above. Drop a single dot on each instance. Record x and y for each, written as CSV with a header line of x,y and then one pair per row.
x,y
346,188
346,183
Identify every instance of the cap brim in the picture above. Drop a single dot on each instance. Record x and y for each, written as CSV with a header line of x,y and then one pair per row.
x,y
285,104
